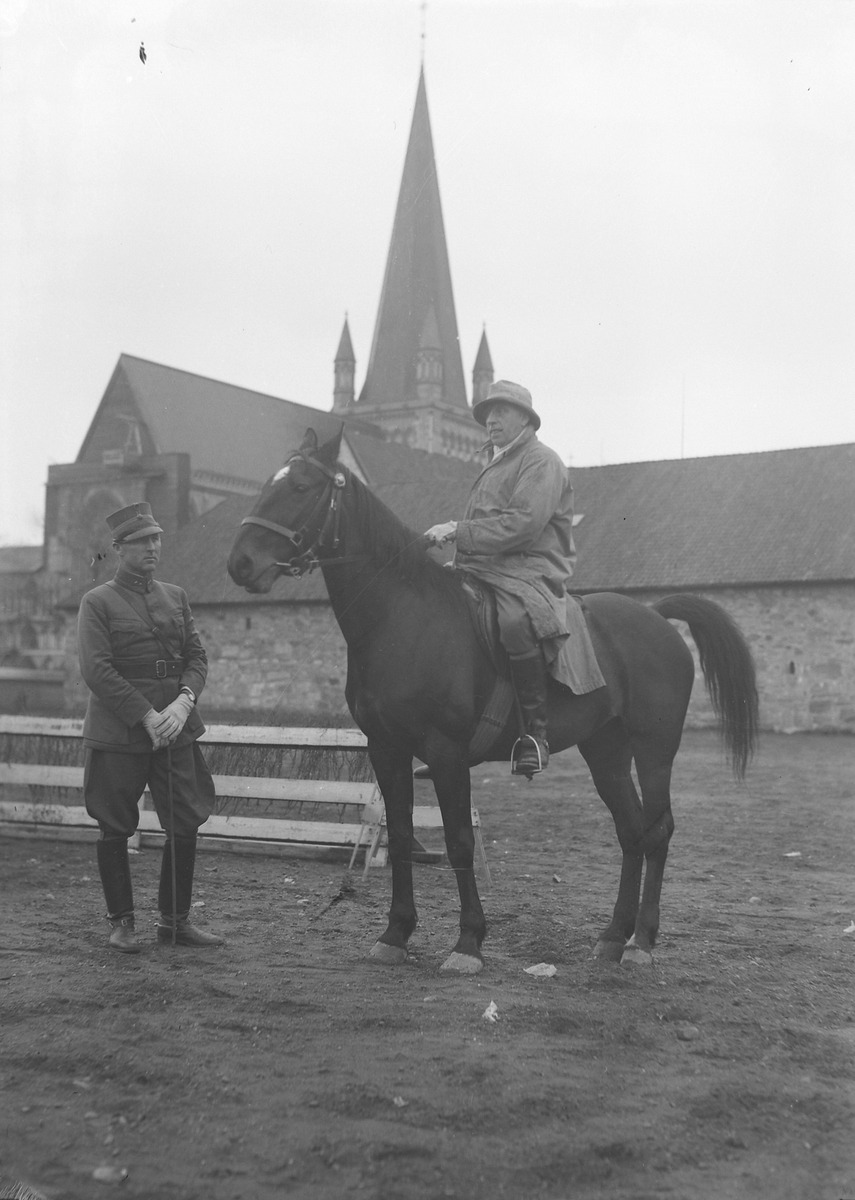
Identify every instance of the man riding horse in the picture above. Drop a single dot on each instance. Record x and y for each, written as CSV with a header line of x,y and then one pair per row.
x,y
517,536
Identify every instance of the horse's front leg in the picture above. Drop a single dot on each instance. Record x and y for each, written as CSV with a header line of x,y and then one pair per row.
x,y
394,772
449,768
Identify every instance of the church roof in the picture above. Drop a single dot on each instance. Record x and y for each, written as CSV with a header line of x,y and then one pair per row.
x,y
417,277
777,517
226,430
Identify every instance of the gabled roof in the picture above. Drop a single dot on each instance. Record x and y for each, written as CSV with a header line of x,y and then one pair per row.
x,y
226,430
781,516
417,276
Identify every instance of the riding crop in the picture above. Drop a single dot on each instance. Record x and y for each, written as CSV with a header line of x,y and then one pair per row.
x,y
171,807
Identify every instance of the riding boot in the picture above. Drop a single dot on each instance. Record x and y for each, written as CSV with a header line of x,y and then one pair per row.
x,y
185,934
529,678
115,872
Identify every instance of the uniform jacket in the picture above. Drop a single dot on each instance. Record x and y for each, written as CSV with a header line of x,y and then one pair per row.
x,y
517,535
109,628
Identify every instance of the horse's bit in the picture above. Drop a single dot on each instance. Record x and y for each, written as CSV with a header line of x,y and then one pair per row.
x,y
307,560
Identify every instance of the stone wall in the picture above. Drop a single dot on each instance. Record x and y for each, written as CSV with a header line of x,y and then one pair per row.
x,y
289,661
803,640
282,663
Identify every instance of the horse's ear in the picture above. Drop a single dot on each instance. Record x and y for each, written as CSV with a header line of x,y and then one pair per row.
x,y
330,450
310,441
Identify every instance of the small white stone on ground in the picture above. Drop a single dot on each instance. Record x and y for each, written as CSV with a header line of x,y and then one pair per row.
x,y
109,1174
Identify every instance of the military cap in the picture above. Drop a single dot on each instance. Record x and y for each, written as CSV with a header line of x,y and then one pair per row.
x,y
505,392
132,523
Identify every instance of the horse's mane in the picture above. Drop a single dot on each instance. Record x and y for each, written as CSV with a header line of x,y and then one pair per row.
x,y
393,545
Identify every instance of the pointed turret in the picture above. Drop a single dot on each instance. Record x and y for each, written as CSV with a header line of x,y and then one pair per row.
x,y
417,278
345,371
482,372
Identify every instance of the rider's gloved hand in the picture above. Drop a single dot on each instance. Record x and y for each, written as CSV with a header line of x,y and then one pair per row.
x,y
438,535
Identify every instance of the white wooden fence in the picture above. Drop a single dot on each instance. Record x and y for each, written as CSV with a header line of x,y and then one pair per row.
x,y
27,818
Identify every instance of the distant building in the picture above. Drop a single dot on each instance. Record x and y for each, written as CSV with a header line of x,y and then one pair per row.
x,y
180,441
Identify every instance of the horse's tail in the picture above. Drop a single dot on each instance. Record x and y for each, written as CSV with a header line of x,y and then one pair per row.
x,y
728,668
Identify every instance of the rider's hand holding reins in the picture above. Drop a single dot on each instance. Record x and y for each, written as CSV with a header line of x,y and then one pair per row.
x,y
438,535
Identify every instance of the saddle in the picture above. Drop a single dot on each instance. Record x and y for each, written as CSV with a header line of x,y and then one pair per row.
x,y
481,601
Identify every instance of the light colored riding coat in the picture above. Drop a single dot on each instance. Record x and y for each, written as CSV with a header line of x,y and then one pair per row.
x,y
517,535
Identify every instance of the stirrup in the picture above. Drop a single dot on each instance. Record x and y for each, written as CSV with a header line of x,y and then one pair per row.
x,y
528,771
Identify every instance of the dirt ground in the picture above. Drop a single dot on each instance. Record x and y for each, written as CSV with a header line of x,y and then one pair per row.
x,y
288,1065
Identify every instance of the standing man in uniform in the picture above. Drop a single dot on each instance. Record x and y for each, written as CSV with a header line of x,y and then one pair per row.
x,y
145,667
517,535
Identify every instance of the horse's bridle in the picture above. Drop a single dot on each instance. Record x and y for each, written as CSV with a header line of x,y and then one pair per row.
x,y
307,560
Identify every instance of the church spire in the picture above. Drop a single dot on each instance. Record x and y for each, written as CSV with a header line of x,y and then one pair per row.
x,y
417,278
345,371
482,372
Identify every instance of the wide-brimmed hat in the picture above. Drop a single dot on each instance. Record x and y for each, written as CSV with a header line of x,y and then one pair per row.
x,y
132,523
505,392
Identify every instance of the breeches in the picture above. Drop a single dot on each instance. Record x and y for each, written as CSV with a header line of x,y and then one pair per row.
x,y
113,784
515,631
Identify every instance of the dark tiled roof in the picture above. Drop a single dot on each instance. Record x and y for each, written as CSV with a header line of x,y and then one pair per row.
x,y
225,429
780,516
388,462
777,517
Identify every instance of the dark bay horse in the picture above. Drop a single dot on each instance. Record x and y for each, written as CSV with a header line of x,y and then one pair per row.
x,y
418,680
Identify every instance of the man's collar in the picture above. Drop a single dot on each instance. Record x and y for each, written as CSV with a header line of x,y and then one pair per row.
x,y
132,581
521,437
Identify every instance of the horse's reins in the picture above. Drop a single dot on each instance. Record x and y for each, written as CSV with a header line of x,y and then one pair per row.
x,y
305,561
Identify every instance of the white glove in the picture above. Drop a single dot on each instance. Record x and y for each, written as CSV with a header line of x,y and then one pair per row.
x,y
176,715
437,535
155,727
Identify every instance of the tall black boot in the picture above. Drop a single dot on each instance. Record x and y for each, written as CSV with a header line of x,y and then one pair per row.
x,y
529,678
115,871
185,934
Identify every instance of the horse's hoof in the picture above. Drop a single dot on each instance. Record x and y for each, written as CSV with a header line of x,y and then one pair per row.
x,y
389,956
634,956
462,964
609,951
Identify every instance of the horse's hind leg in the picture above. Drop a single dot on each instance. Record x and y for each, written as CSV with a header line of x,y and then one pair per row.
x,y
608,754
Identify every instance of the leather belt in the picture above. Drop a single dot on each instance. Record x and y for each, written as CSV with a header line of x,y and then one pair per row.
x,y
130,668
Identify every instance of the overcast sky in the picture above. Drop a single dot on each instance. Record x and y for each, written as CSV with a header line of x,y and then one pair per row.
x,y
650,204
